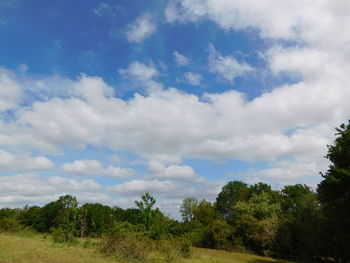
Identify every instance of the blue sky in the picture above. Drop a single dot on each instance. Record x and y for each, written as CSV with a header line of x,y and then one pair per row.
x,y
109,99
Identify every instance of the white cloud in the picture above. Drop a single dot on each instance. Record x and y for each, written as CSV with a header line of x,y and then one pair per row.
x,y
172,125
83,167
142,28
274,18
167,189
95,168
139,187
194,79
139,71
10,92
228,68
23,162
181,59
31,188
143,75
160,171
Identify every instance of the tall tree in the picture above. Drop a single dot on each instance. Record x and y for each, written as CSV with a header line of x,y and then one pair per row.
x,y
186,210
299,228
230,194
145,206
334,194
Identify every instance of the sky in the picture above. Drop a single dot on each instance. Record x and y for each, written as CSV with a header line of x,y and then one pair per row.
x,y
107,100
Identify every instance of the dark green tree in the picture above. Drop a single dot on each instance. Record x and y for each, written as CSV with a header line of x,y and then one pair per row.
x,y
299,228
334,194
94,219
230,194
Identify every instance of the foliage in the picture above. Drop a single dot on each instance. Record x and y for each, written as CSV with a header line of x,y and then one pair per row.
x,y
10,225
230,194
299,228
187,207
126,242
334,194
145,207
94,219
257,221
174,249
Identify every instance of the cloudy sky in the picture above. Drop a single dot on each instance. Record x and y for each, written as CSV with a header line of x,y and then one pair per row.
x,y
109,99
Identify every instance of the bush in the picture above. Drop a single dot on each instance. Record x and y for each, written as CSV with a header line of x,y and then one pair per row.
x,y
10,225
174,249
61,236
126,242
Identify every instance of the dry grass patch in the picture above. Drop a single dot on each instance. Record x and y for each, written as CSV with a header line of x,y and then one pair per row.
x,y
18,249
201,255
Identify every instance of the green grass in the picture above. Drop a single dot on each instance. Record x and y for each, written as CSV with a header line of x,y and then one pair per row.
x,y
39,249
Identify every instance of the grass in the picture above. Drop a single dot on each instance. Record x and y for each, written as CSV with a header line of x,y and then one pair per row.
x,y
38,249
201,255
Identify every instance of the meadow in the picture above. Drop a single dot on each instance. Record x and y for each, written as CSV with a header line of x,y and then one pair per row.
x,y
37,248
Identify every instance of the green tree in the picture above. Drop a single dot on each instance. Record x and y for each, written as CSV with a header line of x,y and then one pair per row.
x,y
257,221
186,210
208,227
299,228
334,194
94,219
60,217
230,194
145,206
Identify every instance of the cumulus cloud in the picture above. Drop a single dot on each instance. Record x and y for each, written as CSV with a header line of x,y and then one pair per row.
x,y
159,170
23,162
228,68
181,59
95,168
167,189
274,18
142,28
194,79
32,188
173,125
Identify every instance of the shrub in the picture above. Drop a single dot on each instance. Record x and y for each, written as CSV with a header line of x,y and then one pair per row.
x,y
174,248
61,236
10,225
126,242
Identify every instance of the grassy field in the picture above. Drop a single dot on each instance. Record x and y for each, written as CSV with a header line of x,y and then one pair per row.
x,y
38,249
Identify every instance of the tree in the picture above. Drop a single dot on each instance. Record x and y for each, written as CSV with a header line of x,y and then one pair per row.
x,y
334,194
94,219
230,194
186,210
257,221
60,217
145,207
299,228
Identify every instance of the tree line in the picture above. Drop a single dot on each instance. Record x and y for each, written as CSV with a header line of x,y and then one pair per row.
x,y
294,222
